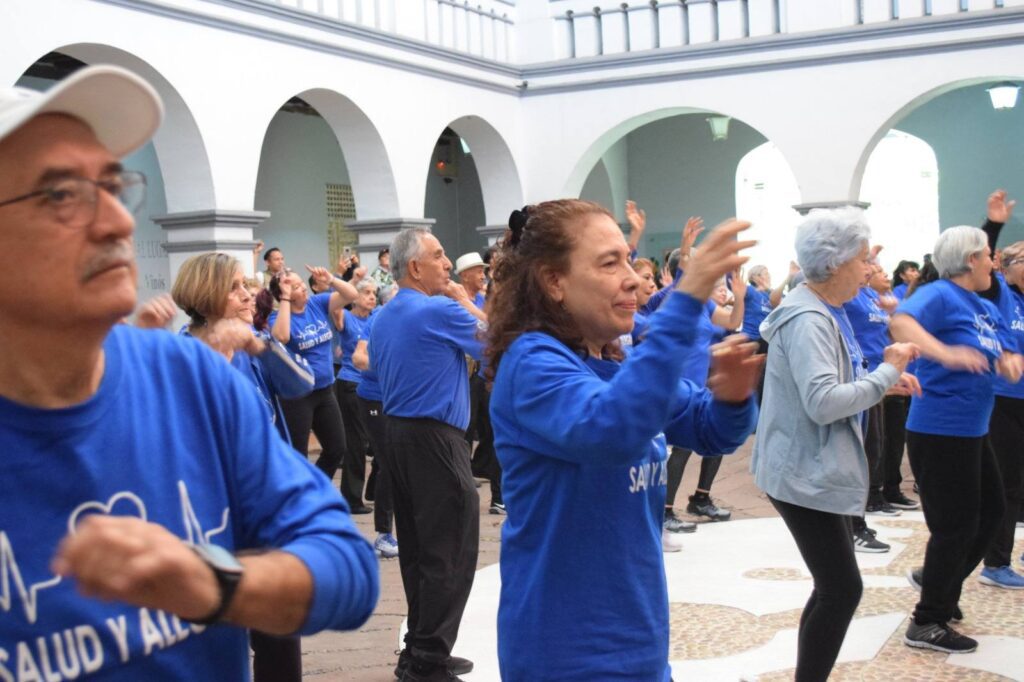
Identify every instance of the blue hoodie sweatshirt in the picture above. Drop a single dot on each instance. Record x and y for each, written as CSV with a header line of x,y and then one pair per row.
x,y
583,594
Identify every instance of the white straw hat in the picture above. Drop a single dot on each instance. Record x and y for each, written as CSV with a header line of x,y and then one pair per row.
x,y
467,261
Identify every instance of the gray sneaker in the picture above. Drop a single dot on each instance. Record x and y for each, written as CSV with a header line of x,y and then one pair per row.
x,y
865,541
674,524
938,637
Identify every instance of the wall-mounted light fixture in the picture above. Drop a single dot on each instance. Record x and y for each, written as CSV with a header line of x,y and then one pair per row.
x,y
719,127
1003,95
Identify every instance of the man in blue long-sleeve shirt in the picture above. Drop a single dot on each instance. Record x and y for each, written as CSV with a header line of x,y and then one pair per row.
x,y
136,464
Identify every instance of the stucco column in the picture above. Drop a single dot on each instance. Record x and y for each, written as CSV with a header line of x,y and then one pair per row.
x,y
373,235
195,232
804,209
492,233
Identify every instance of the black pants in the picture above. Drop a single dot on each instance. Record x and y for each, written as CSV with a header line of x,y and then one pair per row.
x,y
437,514
874,438
485,460
825,543
762,349
1006,433
275,659
677,459
894,440
962,498
353,466
317,412
376,429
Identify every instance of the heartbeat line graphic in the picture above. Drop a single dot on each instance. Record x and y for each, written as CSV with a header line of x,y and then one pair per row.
x,y
12,582
9,572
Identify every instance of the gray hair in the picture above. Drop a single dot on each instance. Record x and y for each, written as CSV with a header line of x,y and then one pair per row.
x,y
756,272
364,284
827,238
406,246
954,247
388,293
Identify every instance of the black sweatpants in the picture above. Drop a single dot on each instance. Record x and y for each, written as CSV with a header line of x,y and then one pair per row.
x,y
894,440
962,498
437,514
317,412
677,459
485,460
874,438
376,429
353,466
1006,433
275,659
826,545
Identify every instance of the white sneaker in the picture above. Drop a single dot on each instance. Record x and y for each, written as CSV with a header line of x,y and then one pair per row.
x,y
671,542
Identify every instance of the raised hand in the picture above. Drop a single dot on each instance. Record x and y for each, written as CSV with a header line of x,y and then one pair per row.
x,y
156,313
999,209
694,226
456,292
323,276
739,284
636,217
258,248
735,369
899,355
719,254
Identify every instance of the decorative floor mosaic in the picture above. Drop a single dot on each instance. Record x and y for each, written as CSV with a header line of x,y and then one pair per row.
x,y
736,592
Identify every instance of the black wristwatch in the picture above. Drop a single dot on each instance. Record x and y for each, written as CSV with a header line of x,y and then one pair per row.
x,y
228,571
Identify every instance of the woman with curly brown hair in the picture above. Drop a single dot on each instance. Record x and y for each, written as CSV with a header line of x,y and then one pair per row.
x,y
583,455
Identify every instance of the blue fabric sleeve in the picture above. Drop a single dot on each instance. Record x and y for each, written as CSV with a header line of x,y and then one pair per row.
x,y
591,421
708,426
658,297
457,326
322,301
921,305
288,375
281,501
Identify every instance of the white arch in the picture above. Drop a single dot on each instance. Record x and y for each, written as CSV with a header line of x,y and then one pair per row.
x,y
901,182
369,167
766,191
180,148
500,184
598,187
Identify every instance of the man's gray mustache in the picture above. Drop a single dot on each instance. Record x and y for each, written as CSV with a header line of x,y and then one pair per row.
x,y
119,253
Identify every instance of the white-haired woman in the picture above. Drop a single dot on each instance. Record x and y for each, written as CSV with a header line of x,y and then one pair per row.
x,y
809,454
956,472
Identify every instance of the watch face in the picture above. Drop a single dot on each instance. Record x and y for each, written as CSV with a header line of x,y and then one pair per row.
x,y
220,558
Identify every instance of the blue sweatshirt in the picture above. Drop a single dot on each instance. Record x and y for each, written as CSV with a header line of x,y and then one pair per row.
x,y
583,594
418,348
173,435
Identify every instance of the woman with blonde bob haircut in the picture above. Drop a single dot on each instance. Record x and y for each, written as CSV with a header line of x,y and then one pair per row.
x,y
211,289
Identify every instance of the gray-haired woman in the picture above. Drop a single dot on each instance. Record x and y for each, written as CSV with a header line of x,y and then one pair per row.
x,y
809,455
956,472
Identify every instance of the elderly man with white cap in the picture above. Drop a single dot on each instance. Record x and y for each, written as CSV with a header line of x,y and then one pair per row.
x,y
146,494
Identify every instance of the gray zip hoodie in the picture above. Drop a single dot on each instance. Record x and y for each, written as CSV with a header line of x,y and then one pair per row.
x,y
809,449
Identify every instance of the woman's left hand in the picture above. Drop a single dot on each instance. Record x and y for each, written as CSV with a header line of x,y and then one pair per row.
x,y
908,385
1010,366
739,284
735,369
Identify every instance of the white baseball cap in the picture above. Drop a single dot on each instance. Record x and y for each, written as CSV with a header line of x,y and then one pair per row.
x,y
467,261
122,109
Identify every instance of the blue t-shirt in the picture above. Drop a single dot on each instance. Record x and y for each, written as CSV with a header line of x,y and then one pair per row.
x,y
1011,306
756,306
697,361
311,336
369,387
418,347
900,291
572,436
479,300
628,341
276,373
347,338
870,325
953,403
175,436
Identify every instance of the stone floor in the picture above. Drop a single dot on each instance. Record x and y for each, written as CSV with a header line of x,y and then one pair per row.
x,y
735,592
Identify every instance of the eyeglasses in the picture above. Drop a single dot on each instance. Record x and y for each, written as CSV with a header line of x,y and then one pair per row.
x,y
73,200
1015,261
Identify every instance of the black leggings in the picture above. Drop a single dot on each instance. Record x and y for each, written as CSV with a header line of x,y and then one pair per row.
x,y
318,412
1006,433
275,659
962,498
677,460
376,429
825,543
353,466
894,441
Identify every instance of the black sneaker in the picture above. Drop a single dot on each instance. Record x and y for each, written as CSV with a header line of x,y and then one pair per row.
x,y
498,508
881,508
674,524
938,637
865,541
703,506
901,501
456,664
